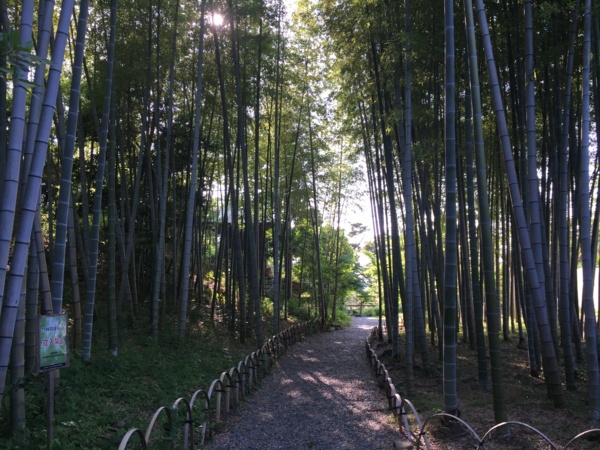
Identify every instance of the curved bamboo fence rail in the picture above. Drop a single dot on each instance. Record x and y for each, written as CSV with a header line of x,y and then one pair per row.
x,y
415,429
191,421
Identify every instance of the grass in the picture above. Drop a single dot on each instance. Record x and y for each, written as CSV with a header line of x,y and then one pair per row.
x,y
97,402
526,401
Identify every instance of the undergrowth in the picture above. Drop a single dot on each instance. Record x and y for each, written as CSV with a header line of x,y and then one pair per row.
x,y
97,402
525,396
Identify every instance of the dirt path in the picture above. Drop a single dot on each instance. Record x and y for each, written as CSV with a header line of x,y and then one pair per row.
x,y
321,395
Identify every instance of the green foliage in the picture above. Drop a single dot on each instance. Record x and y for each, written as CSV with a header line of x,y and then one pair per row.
x,y
17,58
372,311
97,403
344,267
342,317
266,306
299,309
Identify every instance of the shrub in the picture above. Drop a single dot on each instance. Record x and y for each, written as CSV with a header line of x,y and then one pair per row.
x,y
342,317
371,311
300,311
266,306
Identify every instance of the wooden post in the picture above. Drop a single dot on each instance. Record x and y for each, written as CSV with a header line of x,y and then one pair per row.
x,y
50,408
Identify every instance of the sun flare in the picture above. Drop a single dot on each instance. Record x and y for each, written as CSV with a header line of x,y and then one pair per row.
x,y
216,19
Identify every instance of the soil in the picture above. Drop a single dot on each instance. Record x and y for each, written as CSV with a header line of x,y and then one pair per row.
x,y
526,402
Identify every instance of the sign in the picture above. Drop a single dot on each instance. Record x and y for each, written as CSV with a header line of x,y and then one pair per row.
x,y
53,351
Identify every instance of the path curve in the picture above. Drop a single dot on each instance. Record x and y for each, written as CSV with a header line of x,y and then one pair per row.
x,y
321,395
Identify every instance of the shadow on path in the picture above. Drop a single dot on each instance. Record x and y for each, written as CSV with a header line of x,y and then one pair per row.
x,y
321,395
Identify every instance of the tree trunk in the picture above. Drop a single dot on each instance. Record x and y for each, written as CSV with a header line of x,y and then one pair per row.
x,y
450,387
315,221
86,346
68,149
189,223
591,326
30,197
551,369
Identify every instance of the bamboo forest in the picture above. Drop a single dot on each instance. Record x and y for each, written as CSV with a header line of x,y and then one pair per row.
x,y
181,180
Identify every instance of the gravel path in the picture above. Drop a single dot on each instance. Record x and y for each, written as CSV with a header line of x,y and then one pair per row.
x,y
321,395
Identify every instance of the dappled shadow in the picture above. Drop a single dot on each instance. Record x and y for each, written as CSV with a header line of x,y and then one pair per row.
x,y
441,431
320,396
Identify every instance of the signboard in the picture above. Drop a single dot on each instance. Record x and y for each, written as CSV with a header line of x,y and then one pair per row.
x,y
53,351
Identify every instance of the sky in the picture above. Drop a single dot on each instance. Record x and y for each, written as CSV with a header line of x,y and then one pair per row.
x,y
360,213
290,6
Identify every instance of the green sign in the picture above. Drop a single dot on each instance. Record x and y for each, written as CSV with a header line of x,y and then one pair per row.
x,y
53,342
